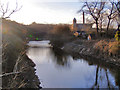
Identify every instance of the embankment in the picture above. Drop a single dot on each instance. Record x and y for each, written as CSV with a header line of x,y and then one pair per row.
x,y
18,71
90,49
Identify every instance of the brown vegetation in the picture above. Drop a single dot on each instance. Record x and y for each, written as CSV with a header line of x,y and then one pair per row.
x,y
17,69
108,47
39,30
60,34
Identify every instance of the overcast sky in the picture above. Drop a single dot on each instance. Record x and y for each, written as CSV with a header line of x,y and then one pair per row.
x,y
46,11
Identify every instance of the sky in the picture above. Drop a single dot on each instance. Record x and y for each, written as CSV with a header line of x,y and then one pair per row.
x,y
46,11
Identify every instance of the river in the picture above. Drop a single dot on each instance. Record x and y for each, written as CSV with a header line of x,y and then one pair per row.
x,y
57,69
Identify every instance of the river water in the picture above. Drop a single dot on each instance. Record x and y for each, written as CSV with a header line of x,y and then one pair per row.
x,y
57,69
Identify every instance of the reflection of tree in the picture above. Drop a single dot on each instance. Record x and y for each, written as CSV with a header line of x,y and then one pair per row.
x,y
96,79
117,77
107,78
99,74
61,57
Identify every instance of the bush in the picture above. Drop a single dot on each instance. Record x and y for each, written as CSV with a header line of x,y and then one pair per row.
x,y
111,48
117,36
102,45
61,30
60,35
114,48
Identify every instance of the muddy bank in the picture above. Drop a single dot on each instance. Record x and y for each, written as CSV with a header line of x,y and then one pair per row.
x,y
87,49
23,75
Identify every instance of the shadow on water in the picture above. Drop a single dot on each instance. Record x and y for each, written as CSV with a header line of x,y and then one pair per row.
x,y
56,69
62,60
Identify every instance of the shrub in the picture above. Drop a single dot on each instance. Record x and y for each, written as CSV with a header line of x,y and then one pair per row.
x,y
108,47
114,48
102,45
61,29
60,35
117,36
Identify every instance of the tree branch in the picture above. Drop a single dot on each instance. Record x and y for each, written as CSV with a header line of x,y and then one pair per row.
x,y
6,13
12,73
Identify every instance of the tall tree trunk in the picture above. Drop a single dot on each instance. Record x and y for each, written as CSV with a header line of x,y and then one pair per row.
x,y
101,27
97,29
108,25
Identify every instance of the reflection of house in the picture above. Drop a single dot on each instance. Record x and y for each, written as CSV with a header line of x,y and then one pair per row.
x,y
81,26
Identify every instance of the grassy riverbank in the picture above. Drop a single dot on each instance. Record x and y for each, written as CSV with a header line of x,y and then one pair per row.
x,y
17,69
103,50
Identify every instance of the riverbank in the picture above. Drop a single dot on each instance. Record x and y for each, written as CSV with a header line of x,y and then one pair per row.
x,y
18,71
87,49
23,75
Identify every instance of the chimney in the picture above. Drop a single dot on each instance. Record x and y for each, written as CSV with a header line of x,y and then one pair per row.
x,y
83,18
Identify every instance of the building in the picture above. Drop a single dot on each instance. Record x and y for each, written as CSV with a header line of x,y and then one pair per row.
x,y
80,26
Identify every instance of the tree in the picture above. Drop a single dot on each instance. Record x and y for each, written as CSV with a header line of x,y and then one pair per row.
x,y
60,35
6,12
117,4
94,9
102,21
112,14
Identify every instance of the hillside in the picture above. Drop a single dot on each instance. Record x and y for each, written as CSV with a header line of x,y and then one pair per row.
x,y
39,30
17,68
41,27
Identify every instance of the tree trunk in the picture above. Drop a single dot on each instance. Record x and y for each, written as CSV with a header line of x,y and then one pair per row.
x,y
97,29
108,26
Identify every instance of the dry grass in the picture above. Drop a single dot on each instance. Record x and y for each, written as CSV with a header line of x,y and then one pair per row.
x,y
109,47
114,48
102,45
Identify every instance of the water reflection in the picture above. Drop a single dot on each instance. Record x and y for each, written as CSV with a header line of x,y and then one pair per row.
x,y
61,58
59,70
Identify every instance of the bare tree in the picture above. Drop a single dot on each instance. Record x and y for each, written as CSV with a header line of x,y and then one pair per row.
x,y
6,12
112,14
102,21
117,4
94,9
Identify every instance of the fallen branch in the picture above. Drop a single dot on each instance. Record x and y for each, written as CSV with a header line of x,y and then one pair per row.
x,y
12,73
